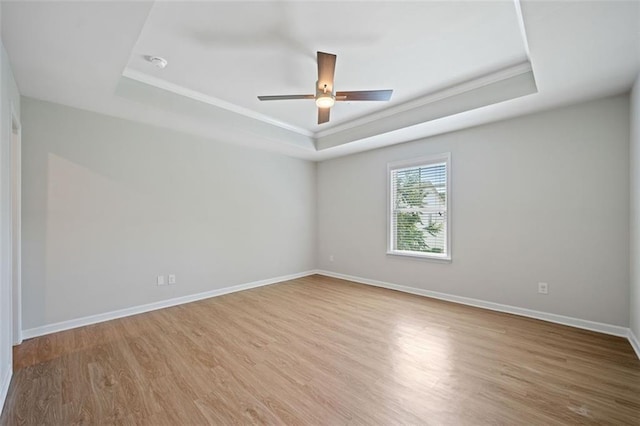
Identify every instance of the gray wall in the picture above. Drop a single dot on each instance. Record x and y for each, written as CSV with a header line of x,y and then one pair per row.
x,y
635,211
109,204
543,197
9,95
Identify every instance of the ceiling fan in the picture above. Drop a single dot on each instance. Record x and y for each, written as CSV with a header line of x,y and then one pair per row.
x,y
325,95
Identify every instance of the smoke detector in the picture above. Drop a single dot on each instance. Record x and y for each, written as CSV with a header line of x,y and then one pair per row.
x,y
157,61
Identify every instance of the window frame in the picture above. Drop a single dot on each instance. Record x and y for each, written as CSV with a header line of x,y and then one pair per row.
x,y
425,161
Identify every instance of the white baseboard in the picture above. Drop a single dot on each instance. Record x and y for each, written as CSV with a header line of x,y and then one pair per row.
x,y
635,343
559,319
134,310
4,386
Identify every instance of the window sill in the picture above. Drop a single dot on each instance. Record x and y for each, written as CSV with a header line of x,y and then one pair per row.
x,y
428,257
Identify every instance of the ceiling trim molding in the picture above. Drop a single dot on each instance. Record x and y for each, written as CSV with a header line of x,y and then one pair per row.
x,y
466,86
198,96
523,30
393,128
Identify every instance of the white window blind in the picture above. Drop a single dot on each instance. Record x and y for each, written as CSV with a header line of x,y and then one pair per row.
x,y
419,207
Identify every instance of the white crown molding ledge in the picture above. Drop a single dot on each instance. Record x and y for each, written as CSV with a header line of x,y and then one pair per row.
x,y
167,109
198,96
390,124
523,29
134,310
614,330
430,98
499,86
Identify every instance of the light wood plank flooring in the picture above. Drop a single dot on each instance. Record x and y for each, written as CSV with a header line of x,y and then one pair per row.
x,y
317,351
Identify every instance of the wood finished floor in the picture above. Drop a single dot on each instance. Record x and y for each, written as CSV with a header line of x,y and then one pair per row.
x,y
319,350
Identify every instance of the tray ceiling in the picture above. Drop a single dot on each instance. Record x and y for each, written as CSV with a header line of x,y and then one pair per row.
x,y
451,64
234,51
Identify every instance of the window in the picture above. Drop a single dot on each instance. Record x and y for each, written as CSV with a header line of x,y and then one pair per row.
x,y
419,208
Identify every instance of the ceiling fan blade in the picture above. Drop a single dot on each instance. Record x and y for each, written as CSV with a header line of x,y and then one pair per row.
x,y
323,115
326,70
364,95
284,97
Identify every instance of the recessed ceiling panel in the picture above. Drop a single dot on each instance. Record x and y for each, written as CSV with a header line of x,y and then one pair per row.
x,y
235,51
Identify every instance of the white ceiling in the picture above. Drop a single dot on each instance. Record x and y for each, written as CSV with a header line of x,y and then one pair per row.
x,y
234,52
221,55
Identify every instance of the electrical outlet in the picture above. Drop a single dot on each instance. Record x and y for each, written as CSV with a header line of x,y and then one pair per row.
x,y
172,279
161,280
331,258
543,288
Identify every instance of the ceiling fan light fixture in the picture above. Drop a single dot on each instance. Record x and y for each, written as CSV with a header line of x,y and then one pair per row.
x,y
325,100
